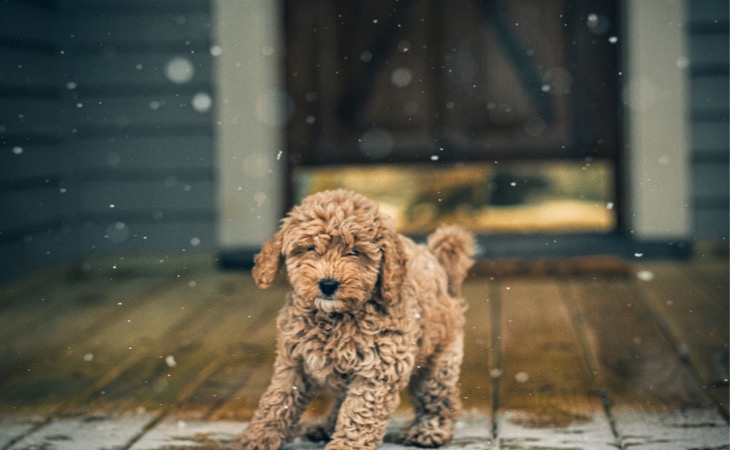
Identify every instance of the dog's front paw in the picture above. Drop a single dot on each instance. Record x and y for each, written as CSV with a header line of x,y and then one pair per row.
x,y
260,439
426,434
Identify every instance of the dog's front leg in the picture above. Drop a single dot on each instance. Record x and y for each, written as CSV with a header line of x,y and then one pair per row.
x,y
364,415
279,409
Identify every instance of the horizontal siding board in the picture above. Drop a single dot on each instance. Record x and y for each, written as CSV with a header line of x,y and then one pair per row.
x,y
146,196
133,6
120,237
25,208
710,180
28,115
21,20
35,252
166,153
706,49
171,177
28,163
152,28
710,136
23,68
711,224
708,11
709,93
144,131
94,114
139,69
139,111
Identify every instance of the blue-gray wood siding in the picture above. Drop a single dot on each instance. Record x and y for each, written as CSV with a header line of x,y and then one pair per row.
x,y
709,98
103,152
106,130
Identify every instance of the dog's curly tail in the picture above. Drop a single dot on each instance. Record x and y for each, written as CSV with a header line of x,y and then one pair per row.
x,y
453,247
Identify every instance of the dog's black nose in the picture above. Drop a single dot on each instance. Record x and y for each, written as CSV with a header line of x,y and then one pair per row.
x,y
328,286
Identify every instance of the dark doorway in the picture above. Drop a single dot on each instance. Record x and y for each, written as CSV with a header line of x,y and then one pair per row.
x,y
500,115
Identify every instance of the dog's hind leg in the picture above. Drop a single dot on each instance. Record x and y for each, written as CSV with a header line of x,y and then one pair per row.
x,y
434,392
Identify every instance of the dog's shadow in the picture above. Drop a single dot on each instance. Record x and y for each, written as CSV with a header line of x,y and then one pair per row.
x,y
470,433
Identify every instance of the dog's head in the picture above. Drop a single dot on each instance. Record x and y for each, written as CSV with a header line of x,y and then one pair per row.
x,y
339,250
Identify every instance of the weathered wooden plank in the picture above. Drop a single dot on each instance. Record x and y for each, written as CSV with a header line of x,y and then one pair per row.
x,y
184,434
125,386
87,306
475,381
165,363
13,427
635,364
66,376
259,309
221,348
91,432
695,316
681,430
544,380
591,434
636,367
241,352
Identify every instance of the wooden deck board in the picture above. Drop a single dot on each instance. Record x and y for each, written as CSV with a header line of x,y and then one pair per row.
x,y
476,381
545,383
639,371
682,306
565,361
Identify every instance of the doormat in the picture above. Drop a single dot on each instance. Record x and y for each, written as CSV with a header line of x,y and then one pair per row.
x,y
555,267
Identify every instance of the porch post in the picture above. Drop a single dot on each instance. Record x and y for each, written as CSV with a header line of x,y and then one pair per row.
x,y
251,120
657,119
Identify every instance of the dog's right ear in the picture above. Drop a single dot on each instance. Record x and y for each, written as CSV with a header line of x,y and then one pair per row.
x,y
266,263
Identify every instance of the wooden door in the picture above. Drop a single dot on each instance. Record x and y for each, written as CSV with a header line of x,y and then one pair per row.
x,y
398,82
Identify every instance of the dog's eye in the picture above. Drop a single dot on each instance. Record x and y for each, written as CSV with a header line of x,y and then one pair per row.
x,y
353,252
311,248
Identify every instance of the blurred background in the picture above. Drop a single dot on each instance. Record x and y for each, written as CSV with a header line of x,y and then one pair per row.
x,y
175,127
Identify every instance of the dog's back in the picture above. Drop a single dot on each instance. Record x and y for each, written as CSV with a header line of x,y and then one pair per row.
x,y
453,247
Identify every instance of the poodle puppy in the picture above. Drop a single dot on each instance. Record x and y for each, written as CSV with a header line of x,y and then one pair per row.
x,y
369,313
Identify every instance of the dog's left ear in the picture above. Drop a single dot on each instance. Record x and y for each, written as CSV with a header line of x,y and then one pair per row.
x,y
266,263
393,267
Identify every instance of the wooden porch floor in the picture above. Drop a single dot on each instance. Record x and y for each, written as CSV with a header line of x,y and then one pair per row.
x,y
172,354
